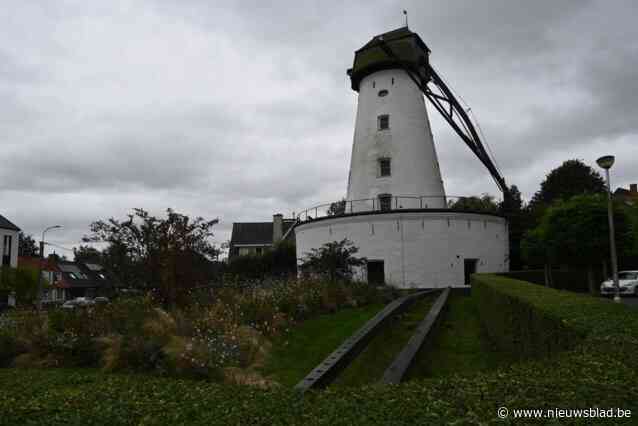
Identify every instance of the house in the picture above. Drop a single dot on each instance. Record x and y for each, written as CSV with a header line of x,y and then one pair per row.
x,y
56,292
69,280
627,195
256,237
8,242
84,279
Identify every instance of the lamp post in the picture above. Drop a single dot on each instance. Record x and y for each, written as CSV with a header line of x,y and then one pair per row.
x,y
606,162
39,304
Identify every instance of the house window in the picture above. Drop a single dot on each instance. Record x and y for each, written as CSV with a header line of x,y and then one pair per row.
x,y
385,202
384,167
383,122
6,251
258,250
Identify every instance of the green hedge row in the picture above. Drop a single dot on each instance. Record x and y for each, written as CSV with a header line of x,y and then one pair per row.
x,y
593,362
534,320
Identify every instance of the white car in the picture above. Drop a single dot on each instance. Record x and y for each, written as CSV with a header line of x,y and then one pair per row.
x,y
627,281
78,302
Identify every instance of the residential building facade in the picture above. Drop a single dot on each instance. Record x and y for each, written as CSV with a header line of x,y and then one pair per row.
x,y
9,235
253,238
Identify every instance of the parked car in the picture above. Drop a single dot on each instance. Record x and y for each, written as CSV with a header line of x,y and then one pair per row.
x,y
78,302
101,300
69,304
627,281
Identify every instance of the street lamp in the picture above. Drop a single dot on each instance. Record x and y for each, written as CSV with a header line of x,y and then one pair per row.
x,y
39,304
606,162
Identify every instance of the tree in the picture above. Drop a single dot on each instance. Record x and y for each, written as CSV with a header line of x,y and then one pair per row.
x,y
87,254
337,208
21,282
517,216
576,232
27,246
159,254
571,178
484,203
334,261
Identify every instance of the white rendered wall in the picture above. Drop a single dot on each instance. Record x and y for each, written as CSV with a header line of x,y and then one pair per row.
x,y
408,143
420,249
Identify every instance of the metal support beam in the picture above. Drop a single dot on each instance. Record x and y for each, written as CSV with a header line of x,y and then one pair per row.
x,y
394,374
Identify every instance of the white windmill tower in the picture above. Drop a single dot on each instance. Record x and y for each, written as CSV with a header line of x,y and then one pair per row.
x,y
396,211
393,155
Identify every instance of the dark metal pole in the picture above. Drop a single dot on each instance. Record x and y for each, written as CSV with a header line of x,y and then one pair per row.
x,y
612,240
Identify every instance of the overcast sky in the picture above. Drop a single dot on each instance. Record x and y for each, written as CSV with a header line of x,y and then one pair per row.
x,y
242,110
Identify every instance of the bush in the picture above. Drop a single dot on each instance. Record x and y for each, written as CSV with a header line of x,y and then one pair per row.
x,y
229,330
594,366
535,321
280,261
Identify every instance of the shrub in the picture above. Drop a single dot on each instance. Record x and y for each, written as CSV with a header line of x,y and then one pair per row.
x,y
534,321
230,330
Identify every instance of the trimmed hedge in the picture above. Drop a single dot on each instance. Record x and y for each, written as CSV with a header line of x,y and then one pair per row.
x,y
593,345
535,320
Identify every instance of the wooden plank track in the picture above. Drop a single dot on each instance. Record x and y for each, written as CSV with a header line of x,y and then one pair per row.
x,y
322,375
398,368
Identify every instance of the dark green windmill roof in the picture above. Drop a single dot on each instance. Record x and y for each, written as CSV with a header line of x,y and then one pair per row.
x,y
410,50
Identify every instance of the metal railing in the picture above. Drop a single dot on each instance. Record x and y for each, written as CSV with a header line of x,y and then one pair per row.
x,y
401,202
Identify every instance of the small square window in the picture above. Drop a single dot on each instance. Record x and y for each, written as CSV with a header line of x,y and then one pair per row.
x,y
385,202
384,167
383,122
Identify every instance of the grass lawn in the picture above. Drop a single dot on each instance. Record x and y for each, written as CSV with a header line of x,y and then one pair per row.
x,y
372,362
457,344
296,353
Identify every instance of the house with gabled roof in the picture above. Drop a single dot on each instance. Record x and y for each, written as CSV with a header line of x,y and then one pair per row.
x,y
256,237
68,280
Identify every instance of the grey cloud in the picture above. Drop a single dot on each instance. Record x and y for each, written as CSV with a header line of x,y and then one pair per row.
x,y
242,110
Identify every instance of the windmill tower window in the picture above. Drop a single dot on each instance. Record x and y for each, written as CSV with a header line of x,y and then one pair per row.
x,y
384,167
383,122
383,93
385,202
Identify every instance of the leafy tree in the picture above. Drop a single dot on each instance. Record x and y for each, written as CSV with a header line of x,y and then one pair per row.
x,y
27,246
337,208
21,281
513,208
484,203
56,257
334,260
571,178
576,232
87,254
160,254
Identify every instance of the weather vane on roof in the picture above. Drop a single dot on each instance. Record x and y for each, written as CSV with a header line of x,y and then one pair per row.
x,y
405,12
